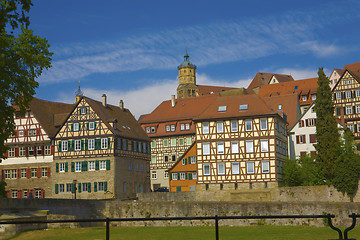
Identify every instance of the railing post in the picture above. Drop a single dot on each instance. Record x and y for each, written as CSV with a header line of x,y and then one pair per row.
x,y
353,216
216,227
333,227
107,229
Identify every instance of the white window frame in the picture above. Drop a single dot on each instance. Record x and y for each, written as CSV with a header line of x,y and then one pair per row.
x,y
91,125
83,110
313,96
33,172
234,147
22,151
174,176
221,168
76,127
84,187
61,188
235,168
338,95
188,141
147,129
220,146
21,133
23,173
102,165
220,127
206,169
206,148
100,186
104,143
263,124
234,126
264,145
182,176
153,159
172,128
348,109
91,165
265,167
192,159
165,141
173,142
77,144
182,127
205,128
64,146
304,98
357,108
47,150
248,125
250,167
153,130
187,126
153,175
181,142
249,146
11,152
13,173
13,193
194,175
91,144
77,166
167,128
61,167
7,174
166,175
348,94
357,93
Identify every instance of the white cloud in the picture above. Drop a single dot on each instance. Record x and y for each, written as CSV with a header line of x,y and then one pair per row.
x,y
203,79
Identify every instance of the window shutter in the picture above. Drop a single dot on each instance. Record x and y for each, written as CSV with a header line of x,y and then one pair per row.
x,y
73,190
19,194
354,110
16,152
302,123
79,126
307,122
87,126
107,164
82,144
38,172
89,187
178,176
2,174
42,150
48,171
86,144
79,187
108,142
28,173
190,176
342,95
304,137
86,110
334,96
297,139
97,165
72,167
8,194
72,127
18,173
52,150
105,186
97,143
185,176
57,167
95,186
79,110
170,175
312,138
72,145
42,193
26,151
66,167
85,164
94,125
56,188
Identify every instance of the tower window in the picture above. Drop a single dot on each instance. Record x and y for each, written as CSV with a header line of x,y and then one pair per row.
x,y
184,71
190,70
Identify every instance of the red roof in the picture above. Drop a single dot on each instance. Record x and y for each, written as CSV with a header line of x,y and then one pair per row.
x,y
353,67
261,79
206,90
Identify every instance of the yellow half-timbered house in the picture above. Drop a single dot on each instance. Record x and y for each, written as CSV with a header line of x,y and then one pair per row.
x,y
241,143
101,152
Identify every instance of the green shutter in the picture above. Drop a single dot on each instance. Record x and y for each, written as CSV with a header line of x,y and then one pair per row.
x,y
178,177
97,165
72,167
57,167
107,164
72,145
105,186
186,161
86,110
87,126
97,143
73,188
89,187
86,144
108,142
189,160
190,176
94,125
79,126
84,165
79,110
170,175
66,167
59,148
79,187
95,186
56,188
82,144
185,176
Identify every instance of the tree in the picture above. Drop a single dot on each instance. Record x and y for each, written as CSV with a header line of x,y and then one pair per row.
x,y
327,133
348,167
23,56
2,189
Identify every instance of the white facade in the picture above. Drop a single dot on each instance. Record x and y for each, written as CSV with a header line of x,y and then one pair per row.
x,y
334,78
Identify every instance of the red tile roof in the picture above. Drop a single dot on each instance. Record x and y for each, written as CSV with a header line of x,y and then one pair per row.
x,y
353,67
205,90
261,79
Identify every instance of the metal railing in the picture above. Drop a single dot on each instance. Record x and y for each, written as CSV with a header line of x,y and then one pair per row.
x,y
107,221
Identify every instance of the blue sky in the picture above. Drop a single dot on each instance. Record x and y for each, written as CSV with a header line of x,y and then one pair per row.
x,y
130,50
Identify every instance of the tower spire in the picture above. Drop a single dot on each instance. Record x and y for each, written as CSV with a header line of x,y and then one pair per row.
x,y
78,93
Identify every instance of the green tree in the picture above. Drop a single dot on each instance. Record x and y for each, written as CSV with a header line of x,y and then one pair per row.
x,y
23,56
292,173
348,167
328,145
2,189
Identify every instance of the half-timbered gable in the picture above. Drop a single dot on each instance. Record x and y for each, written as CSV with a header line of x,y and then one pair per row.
x,y
346,98
101,152
236,143
27,168
172,131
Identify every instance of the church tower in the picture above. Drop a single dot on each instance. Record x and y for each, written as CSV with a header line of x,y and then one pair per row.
x,y
187,79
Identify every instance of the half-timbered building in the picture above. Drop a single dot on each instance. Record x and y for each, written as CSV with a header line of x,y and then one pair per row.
x,y
101,152
27,169
172,131
241,143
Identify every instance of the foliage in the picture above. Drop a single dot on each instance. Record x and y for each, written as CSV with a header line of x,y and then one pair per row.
x,y
327,133
22,59
348,167
2,189
302,172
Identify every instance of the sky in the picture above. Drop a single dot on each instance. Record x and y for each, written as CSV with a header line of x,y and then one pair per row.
x,y
130,50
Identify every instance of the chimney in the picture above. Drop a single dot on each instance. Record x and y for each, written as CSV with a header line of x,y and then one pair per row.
x,y
173,101
121,104
104,100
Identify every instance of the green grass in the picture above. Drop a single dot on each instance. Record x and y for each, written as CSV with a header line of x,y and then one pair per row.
x,y
180,233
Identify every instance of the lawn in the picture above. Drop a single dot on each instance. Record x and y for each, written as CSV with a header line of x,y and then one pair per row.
x,y
180,233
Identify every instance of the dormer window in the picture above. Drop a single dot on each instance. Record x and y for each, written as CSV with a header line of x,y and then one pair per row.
x,y
313,96
83,110
148,130
222,109
279,106
153,130
243,107
304,98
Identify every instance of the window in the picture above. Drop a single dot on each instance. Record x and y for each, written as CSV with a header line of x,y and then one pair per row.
x,y
68,187
348,110
173,157
166,175
153,175
153,159
250,168
234,147
188,141
64,146
173,142
13,194
34,172
130,166
31,151
76,127
61,167
91,144
91,165
263,124
206,148
205,128
153,144
219,127
101,187
78,167
77,145
182,127
182,176
279,106
248,125
338,95
13,173
7,174
194,176
348,94
357,108
83,110
37,193
206,169
243,107
313,96
23,172
165,143
47,150
91,125
174,176
84,187
235,168
222,109
264,145
351,127
11,152
25,193
249,146
311,122
153,130
147,129
234,126
220,148
192,159
181,142
303,98
21,151
21,133
172,128
104,143
357,93
300,139
221,168
187,126
265,166
184,161
61,188
102,165
166,158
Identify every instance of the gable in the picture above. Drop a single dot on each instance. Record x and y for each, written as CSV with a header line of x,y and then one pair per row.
x,y
347,81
